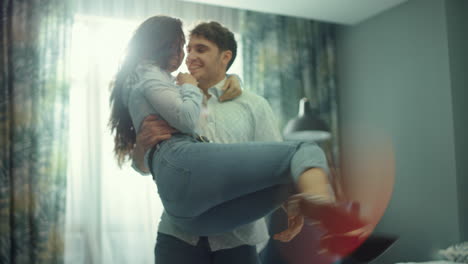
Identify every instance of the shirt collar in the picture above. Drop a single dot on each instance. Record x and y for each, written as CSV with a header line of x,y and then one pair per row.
x,y
217,89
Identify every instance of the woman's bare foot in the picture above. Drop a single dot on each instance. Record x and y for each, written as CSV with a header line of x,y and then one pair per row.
x,y
316,201
344,229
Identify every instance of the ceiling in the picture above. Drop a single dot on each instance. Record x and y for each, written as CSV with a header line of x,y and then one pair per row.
x,y
349,12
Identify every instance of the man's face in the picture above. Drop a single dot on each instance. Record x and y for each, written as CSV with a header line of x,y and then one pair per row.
x,y
204,60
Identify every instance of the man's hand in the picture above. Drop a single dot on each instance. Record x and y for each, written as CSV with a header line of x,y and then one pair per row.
x,y
345,231
295,224
153,130
295,220
231,89
344,244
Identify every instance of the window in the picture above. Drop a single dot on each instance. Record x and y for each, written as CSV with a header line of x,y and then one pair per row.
x,y
112,212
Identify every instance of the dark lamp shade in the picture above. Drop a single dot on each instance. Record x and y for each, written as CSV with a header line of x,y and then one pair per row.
x,y
307,126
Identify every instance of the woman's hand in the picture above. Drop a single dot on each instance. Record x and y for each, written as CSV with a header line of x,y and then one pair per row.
x,y
231,89
183,78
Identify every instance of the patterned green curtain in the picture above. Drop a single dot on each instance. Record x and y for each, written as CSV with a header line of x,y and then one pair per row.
x,y
286,59
33,129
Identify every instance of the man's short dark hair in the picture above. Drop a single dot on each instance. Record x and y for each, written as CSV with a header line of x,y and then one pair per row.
x,y
219,35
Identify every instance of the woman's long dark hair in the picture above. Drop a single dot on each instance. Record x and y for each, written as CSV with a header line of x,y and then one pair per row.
x,y
157,39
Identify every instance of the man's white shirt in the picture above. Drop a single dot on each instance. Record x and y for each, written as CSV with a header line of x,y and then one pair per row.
x,y
246,118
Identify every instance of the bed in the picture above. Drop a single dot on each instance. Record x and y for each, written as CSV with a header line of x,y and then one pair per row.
x,y
454,254
377,244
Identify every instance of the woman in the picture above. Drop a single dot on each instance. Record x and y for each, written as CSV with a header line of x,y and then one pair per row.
x,y
210,188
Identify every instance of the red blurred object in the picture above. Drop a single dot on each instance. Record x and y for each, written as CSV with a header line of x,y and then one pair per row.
x,y
335,218
341,245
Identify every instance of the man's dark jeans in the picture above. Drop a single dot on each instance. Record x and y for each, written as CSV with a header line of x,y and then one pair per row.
x,y
171,250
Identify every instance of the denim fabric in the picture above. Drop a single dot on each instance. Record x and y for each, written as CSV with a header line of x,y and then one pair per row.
x,y
244,119
209,188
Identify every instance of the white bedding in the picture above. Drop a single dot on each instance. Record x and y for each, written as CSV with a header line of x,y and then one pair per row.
x,y
457,252
430,262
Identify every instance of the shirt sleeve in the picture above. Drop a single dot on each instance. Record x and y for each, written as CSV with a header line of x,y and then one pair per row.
x,y
178,105
266,124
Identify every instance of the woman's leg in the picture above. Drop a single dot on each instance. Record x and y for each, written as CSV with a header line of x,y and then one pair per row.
x,y
194,178
237,212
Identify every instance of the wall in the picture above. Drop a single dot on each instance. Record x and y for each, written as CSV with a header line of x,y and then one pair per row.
x,y
395,77
457,21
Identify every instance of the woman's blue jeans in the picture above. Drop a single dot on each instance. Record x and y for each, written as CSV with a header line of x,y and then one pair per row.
x,y
209,188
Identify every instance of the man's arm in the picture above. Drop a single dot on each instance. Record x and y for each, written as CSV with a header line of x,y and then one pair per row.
x,y
266,124
153,130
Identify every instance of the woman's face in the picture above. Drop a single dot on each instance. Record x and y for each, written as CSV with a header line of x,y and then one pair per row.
x,y
176,60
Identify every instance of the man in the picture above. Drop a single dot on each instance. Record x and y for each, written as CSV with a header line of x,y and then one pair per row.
x,y
210,52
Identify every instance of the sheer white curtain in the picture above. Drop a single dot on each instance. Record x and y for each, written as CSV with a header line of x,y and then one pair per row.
x,y
112,213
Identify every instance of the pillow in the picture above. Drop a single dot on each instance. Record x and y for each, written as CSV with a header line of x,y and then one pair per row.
x,y
457,253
